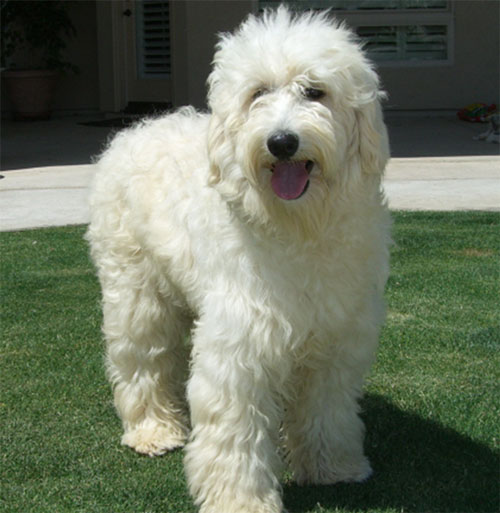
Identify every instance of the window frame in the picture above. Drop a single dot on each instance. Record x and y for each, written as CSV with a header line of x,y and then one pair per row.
x,y
444,16
406,17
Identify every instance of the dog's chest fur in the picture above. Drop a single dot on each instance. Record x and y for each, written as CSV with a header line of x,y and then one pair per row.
x,y
310,287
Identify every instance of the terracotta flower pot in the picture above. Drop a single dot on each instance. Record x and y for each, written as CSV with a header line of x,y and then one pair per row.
x,y
30,92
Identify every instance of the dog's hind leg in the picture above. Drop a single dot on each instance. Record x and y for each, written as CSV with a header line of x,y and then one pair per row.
x,y
147,357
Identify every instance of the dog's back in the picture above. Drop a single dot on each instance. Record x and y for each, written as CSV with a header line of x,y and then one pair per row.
x,y
151,166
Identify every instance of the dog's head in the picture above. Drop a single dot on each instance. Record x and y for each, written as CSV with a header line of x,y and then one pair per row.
x,y
296,124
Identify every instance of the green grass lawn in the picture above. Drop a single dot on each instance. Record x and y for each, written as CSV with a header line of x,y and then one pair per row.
x,y
431,409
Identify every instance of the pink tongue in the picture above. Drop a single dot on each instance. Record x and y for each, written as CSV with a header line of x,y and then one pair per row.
x,y
289,179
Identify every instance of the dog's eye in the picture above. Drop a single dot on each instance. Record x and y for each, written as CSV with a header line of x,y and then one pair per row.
x,y
312,93
259,92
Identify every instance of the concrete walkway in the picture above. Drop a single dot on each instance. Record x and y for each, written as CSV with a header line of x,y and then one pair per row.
x,y
444,183
45,196
453,172
57,196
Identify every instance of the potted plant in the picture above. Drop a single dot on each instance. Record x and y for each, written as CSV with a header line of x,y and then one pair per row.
x,y
33,37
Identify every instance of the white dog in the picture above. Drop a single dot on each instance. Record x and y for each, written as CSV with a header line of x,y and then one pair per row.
x,y
261,227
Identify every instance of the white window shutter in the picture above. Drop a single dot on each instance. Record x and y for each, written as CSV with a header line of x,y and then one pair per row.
x,y
153,39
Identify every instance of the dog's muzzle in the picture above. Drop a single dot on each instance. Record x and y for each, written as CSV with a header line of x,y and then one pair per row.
x,y
290,178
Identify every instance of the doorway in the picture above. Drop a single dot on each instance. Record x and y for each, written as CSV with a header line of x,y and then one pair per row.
x,y
148,53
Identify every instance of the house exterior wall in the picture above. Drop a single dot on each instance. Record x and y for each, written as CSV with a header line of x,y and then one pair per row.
x,y
471,76
81,92
99,52
204,19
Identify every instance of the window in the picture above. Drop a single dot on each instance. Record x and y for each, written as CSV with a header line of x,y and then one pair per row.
x,y
153,39
371,5
395,32
405,42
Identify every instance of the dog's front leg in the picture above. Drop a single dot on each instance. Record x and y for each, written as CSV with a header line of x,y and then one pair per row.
x,y
323,429
231,460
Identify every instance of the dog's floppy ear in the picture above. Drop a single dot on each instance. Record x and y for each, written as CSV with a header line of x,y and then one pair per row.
x,y
220,145
215,145
372,139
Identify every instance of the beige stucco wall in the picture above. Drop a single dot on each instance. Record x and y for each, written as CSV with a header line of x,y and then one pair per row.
x,y
81,92
203,19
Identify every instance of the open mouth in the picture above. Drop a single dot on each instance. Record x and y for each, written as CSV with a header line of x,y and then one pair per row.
x,y
290,179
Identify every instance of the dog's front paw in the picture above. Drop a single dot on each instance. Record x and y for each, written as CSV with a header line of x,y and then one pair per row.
x,y
249,508
346,472
357,473
243,504
155,440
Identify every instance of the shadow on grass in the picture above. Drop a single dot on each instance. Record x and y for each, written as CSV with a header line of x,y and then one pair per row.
x,y
419,466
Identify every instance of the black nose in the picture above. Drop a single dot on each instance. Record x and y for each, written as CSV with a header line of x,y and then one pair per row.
x,y
283,144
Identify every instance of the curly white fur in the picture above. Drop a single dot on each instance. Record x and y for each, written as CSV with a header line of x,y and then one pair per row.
x,y
283,297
